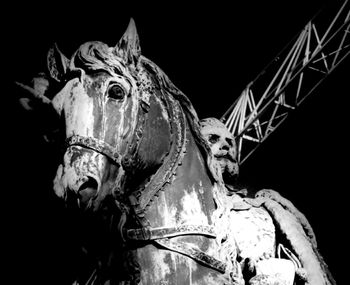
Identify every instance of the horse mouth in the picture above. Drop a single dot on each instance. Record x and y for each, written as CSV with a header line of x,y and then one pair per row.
x,y
83,200
86,197
86,193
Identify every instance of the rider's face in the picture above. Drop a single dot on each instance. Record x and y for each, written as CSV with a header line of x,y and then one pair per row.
x,y
223,147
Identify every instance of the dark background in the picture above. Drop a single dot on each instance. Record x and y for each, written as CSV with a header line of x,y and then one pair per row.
x,y
211,52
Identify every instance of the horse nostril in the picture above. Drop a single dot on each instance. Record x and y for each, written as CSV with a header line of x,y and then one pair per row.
x,y
88,190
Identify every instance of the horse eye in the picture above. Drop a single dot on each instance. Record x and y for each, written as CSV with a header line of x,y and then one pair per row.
x,y
116,92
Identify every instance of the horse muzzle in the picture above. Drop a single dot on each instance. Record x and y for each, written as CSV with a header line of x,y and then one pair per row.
x,y
83,175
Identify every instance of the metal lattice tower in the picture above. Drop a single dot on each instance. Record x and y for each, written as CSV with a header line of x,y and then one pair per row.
x,y
284,84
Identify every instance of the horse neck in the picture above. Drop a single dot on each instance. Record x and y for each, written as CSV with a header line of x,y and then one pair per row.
x,y
179,189
186,197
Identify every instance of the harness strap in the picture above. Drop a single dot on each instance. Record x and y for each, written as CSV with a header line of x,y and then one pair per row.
x,y
192,252
96,145
148,233
161,237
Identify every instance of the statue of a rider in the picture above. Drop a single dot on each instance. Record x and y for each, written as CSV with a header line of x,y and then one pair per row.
x,y
264,255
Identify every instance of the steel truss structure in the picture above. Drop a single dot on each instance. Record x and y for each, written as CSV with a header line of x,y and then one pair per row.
x,y
284,84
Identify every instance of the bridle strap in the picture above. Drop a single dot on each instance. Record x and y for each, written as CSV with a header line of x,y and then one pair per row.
x,y
96,145
192,252
161,236
148,233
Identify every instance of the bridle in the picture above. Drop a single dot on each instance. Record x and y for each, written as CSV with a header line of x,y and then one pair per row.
x,y
96,145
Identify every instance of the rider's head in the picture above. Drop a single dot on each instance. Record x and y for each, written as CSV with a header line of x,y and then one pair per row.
x,y
223,147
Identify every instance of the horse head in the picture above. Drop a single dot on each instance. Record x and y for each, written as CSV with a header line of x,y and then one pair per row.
x,y
104,100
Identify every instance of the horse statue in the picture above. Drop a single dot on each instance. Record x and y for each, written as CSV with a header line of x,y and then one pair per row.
x,y
144,183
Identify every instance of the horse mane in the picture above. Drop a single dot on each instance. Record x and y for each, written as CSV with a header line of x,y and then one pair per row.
x,y
192,118
95,55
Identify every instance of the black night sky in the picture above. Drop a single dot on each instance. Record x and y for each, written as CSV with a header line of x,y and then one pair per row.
x,y
211,52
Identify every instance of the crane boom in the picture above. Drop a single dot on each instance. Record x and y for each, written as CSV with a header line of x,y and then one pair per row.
x,y
291,77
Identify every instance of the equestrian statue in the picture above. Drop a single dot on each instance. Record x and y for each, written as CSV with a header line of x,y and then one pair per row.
x,y
154,185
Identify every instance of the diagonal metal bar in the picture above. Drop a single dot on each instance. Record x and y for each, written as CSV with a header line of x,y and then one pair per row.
x,y
309,60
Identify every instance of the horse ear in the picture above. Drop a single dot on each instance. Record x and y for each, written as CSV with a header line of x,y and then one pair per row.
x,y
57,63
128,46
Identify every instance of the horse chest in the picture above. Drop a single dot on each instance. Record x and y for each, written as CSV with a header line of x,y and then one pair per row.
x,y
253,232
